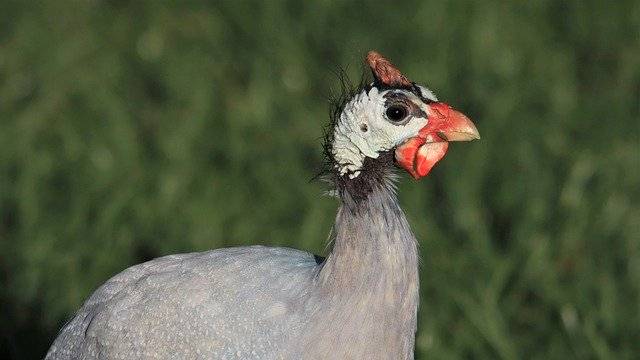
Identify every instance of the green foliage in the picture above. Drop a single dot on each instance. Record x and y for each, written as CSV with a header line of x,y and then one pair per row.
x,y
130,130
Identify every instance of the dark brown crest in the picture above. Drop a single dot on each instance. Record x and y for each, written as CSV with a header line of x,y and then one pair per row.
x,y
385,72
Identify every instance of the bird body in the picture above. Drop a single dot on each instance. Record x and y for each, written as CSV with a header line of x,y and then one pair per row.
x,y
261,302
278,303
225,303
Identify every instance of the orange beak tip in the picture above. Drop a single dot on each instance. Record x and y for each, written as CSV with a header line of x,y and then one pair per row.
x,y
452,126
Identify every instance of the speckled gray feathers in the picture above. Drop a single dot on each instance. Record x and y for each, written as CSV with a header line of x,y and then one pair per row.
x,y
226,303
263,303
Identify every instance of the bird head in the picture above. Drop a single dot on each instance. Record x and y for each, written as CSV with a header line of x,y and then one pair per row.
x,y
395,114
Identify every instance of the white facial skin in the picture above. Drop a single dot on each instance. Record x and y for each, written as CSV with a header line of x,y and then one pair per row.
x,y
364,130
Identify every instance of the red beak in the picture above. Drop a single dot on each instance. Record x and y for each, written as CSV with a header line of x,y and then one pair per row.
x,y
419,154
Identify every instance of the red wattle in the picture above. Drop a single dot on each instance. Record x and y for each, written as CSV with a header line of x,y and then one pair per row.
x,y
428,155
406,155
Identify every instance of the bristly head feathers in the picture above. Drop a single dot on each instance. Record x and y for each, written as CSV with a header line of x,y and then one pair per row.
x,y
381,170
338,98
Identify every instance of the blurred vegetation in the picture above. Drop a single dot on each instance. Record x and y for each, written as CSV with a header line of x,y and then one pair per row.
x,y
134,129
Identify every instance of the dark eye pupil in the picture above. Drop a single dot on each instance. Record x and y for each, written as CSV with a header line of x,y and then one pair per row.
x,y
396,113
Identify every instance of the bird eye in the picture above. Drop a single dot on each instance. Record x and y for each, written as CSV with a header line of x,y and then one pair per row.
x,y
396,113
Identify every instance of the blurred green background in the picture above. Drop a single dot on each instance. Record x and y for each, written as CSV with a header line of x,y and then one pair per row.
x,y
134,129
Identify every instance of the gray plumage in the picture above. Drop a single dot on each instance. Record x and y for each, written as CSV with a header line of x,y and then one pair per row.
x,y
264,303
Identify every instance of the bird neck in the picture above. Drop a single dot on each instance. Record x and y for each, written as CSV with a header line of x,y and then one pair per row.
x,y
370,225
373,266
372,241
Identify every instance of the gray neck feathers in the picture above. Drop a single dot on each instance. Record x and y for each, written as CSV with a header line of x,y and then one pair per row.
x,y
372,272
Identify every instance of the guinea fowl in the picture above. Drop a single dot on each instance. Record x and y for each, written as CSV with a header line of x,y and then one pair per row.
x,y
259,302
